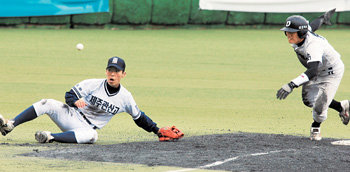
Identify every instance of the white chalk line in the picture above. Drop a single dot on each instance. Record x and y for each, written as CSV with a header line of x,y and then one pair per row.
x,y
232,159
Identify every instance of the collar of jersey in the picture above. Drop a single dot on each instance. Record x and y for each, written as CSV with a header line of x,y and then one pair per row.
x,y
108,90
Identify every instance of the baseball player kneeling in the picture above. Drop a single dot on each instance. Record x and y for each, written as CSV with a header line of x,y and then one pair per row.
x,y
90,105
324,71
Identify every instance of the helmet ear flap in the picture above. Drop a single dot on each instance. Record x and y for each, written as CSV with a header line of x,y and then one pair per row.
x,y
302,33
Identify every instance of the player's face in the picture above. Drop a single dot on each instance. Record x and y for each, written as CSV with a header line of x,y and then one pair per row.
x,y
293,37
114,76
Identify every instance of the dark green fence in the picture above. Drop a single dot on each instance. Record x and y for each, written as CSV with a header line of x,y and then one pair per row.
x,y
164,12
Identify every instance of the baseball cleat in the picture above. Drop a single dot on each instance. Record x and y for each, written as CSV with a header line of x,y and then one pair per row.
x,y
315,133
6,125
44,137
344,114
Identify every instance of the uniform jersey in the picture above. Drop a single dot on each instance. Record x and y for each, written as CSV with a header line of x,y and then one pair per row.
x,y
102,105
317,48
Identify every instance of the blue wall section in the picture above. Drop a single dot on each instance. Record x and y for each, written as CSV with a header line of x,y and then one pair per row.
x,y
26,8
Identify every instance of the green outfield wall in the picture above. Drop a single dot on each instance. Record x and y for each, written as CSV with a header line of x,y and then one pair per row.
x,y
162,12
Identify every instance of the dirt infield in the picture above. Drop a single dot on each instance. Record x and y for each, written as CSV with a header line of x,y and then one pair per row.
x,y
232,152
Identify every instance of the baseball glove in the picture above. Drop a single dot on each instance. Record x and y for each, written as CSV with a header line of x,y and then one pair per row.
x,y
169,134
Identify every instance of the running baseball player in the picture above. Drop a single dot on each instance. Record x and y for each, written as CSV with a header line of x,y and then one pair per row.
x,y
90,105
324,71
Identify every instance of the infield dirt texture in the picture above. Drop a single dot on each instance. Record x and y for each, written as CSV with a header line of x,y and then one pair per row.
x,y
231,152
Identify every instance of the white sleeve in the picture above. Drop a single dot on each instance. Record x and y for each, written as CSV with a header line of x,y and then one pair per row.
x,y
131,107
85,87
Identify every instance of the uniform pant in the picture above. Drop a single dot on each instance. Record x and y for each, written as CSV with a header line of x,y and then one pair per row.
x,y
67,119
319,93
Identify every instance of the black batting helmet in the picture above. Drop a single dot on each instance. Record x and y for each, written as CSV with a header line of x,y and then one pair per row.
x,y
297,24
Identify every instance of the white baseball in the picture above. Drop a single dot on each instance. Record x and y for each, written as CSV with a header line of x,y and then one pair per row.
x,y
80,46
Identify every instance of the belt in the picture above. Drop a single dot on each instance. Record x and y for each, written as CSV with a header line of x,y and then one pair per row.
x,y
88,121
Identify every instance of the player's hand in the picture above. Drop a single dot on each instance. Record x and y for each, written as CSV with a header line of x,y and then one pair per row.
x,y
80,103
285,91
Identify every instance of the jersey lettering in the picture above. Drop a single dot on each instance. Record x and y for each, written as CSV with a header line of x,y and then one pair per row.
x,y
103,105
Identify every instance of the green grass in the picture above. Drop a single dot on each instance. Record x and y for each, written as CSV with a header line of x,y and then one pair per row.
x,y
202,81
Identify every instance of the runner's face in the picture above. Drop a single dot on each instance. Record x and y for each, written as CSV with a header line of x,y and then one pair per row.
x,y
293,37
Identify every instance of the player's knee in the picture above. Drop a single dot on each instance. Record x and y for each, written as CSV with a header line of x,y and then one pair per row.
x,y
307,98
321,106
307,102
48,102
86,136
46,106
94,137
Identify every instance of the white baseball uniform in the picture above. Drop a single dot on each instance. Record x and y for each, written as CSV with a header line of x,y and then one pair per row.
x,y
319,92
101,107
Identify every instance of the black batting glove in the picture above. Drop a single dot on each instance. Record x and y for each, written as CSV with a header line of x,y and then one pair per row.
x,y
285,90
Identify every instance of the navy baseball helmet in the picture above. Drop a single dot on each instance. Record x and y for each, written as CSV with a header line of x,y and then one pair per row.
x,y
297,24
116,62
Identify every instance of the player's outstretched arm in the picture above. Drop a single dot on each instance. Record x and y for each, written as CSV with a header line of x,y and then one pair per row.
x,y
146,123
310,73
164,134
